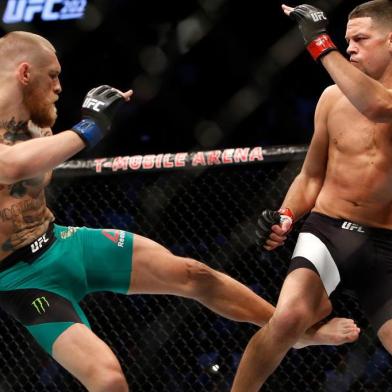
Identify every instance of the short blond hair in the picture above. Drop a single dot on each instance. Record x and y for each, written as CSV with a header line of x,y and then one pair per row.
x,y
18,46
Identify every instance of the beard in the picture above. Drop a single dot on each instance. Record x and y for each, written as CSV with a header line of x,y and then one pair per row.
x,y
41,112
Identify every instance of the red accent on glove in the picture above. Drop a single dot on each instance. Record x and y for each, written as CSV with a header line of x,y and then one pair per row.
x,y
287,212
320,46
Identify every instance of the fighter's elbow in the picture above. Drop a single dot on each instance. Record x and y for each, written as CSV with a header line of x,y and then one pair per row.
x,y
378,111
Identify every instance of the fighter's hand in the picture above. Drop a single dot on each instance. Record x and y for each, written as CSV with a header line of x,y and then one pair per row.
x,y
127,95
98,109
286,9
313,25
273,227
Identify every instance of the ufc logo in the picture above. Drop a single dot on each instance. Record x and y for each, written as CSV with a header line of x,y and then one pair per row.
x,y
37,244
92,103
25,10
317,16
352,227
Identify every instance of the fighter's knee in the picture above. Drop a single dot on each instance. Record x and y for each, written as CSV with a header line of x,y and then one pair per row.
x,y
107,379
199,277
385,335
114,382
290,321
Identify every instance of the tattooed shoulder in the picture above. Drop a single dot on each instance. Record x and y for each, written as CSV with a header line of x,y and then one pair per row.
x,y
14,131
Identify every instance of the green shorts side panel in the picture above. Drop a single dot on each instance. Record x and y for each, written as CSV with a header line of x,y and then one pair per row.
x,y
46,334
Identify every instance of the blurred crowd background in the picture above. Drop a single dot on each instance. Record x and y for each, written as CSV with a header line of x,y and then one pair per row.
x,y
205,73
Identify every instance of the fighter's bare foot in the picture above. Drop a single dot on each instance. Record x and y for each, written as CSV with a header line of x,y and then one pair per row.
x,y
333,333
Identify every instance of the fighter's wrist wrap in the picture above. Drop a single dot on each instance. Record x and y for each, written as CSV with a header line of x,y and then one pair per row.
x,y
89,131
286,213
320,46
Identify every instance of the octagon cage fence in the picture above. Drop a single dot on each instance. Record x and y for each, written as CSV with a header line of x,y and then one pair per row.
x,y
203,205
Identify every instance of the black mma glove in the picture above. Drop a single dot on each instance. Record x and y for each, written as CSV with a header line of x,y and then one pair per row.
x,y
98,109
267,219
313,25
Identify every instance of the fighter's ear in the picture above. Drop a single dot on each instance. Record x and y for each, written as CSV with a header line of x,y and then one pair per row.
x,y
23,73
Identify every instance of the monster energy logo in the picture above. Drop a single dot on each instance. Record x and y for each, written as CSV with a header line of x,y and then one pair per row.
x,y
39,304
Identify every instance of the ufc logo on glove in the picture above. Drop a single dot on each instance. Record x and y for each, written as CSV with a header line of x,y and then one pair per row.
x,y
92,103
317,16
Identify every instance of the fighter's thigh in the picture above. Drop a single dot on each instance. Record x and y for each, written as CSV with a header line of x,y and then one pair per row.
x,y
85,355
378,309
157,271
374,292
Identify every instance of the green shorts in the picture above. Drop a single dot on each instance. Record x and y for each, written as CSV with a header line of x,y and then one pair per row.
x,y
44,294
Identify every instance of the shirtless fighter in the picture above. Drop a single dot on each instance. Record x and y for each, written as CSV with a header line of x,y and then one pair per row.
x,y
346,183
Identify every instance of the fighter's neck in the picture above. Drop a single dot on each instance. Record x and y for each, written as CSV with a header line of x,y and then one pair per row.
x,y
12,114
386,78
12,106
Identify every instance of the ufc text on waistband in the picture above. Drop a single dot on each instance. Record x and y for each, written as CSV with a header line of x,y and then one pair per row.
x,y
29,252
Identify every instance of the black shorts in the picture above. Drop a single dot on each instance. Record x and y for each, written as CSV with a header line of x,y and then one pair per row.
x,y
359,257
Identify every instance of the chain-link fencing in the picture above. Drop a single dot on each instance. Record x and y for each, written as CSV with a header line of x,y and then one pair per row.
x,y
202,206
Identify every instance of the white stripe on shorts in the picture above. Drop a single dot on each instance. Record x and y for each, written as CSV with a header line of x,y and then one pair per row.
x,y
314,250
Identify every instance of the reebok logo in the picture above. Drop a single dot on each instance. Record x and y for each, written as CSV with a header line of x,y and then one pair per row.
x,y
24,10
92,103
121,240
40,303
317,16
352,227
116,236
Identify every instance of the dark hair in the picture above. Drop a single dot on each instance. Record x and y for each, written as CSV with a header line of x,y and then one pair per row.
x,y
380,10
